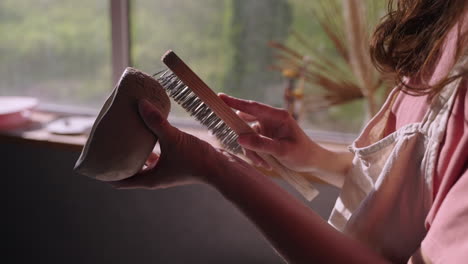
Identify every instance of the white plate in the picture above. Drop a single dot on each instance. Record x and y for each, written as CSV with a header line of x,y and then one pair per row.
x,y
73,125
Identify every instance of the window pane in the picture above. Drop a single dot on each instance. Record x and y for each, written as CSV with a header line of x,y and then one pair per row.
x,y
229,52
56,50
225,42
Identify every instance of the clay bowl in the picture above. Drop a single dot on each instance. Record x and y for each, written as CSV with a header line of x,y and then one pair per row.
x,y
120,142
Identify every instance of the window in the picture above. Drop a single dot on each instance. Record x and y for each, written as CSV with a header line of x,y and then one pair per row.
x,y
60,51
225,42
56,50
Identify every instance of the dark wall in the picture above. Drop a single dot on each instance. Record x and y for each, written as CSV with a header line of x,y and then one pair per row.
x,y
56,216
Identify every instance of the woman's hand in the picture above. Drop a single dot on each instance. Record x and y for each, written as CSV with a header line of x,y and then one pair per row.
x,y
184,158
278,135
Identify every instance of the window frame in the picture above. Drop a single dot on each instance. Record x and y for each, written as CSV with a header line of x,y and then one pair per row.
x,y
120,37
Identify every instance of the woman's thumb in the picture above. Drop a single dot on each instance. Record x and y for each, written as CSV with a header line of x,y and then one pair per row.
x,y
153,118
259,143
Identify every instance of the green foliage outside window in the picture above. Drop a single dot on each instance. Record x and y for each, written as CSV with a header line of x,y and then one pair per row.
x,y
59,51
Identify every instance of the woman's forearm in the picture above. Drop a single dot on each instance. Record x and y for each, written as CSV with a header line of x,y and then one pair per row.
x,y
294,230
329,166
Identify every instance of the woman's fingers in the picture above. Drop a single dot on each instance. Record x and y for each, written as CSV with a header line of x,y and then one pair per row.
x,y
152,160
256,109
259,143
246,117
256,159
252,155
155,121
159,175
249,107
142,179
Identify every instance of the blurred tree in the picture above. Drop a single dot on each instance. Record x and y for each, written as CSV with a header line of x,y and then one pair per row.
x,y
337,72
59,50
193,29
56,50
249,26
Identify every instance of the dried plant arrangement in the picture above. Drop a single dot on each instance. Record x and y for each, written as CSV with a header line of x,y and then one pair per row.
x,y
318,80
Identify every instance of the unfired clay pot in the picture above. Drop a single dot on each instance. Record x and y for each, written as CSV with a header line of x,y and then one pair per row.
x,y
120,142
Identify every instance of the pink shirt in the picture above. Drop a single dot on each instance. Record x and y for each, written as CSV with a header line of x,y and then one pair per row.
x,y
447,221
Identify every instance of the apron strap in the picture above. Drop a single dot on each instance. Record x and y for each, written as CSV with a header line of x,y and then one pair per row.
x,y
435,122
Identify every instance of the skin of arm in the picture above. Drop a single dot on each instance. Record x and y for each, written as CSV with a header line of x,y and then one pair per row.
x,y
296,232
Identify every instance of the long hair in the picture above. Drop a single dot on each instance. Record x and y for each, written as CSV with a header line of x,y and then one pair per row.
x,y
408,41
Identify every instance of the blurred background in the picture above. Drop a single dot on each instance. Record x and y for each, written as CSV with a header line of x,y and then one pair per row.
x,y
61,51
69,55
